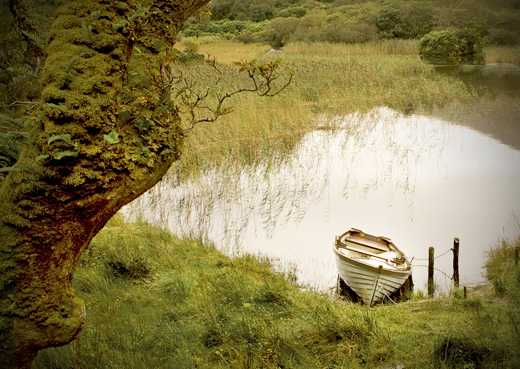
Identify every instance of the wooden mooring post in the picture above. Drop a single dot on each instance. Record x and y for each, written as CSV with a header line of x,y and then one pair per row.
x,y
456,262
431,259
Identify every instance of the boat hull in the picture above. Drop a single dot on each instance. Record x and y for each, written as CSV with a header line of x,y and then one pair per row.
x,y
370,276
362,279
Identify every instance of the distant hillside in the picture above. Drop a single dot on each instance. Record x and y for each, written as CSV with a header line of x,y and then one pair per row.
x,y
355,21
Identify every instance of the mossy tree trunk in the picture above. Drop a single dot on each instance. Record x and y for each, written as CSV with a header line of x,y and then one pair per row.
x,y
98,142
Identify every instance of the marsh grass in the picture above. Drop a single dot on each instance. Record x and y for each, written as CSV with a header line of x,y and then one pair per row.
x,y
227,52
197,308
503,54
386,47
329,80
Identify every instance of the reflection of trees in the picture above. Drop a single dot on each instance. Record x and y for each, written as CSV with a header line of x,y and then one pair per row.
x,y
497,111
363,154
497,117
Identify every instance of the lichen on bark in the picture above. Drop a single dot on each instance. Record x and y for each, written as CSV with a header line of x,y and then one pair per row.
x,y
97,144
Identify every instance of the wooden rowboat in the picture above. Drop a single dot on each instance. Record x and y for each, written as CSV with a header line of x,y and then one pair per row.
x,y
373,267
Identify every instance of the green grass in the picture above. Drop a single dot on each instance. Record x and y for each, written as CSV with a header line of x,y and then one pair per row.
x,y
155,301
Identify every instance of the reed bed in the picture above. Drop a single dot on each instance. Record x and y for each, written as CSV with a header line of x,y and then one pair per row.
x,y
387,47
502,55
329,80
227,52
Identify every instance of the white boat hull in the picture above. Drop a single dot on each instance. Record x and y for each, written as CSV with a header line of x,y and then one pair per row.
x,y
362,280
371,275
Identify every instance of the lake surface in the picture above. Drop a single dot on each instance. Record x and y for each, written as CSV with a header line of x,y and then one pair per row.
x,y
418,180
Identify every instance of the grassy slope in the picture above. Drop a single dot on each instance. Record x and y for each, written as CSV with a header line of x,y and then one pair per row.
x,y
154,301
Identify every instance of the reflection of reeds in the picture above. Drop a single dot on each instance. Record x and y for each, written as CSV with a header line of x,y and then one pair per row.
x,y
379,151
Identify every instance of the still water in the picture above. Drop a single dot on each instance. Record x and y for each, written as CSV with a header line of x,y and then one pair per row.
x,y
418,180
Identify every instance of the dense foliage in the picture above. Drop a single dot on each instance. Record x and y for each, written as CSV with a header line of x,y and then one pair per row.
x,y
353,21
453,45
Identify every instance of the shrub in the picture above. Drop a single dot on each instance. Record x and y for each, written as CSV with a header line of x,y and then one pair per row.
x,y
279,31
247,38
308,27
348,33
190,53
412,21
389,22
452,45
297,12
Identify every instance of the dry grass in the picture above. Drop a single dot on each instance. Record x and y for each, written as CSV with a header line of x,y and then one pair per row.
x,y
390,47
227,52
503,54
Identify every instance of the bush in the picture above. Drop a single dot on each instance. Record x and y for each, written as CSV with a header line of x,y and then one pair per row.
x,y
279,31
190,54
412,21
297,12
247,38
389,22
338,32
308,27
452,45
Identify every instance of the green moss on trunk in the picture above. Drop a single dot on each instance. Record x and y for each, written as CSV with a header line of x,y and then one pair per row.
x,y
89,157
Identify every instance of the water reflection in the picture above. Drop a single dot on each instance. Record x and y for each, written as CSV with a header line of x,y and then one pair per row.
x,y
497,111
492,79
414,179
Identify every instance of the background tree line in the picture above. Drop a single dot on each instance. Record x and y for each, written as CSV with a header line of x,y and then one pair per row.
x,y
356,21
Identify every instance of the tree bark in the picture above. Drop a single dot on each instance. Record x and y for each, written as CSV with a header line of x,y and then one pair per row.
x,y
88,158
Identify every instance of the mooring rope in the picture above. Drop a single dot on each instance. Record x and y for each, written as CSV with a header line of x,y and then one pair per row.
x,y
435,256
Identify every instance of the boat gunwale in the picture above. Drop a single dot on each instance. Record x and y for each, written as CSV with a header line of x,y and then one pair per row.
x,y
391,246
406,270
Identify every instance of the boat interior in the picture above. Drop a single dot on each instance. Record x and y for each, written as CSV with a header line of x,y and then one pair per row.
x,y
371,250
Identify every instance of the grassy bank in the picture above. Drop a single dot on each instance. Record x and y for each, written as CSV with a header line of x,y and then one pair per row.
x,y
329,79
155,301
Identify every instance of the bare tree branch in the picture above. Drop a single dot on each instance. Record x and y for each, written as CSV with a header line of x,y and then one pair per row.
x,y
262,76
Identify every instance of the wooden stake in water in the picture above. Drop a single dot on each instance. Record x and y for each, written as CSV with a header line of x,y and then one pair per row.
x,y
431,258
456,262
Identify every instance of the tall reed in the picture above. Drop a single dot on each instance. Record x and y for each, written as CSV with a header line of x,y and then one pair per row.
x,y
387,47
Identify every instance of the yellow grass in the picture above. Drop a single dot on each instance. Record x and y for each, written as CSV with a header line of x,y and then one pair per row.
x,y
503,54
227,52
390,47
